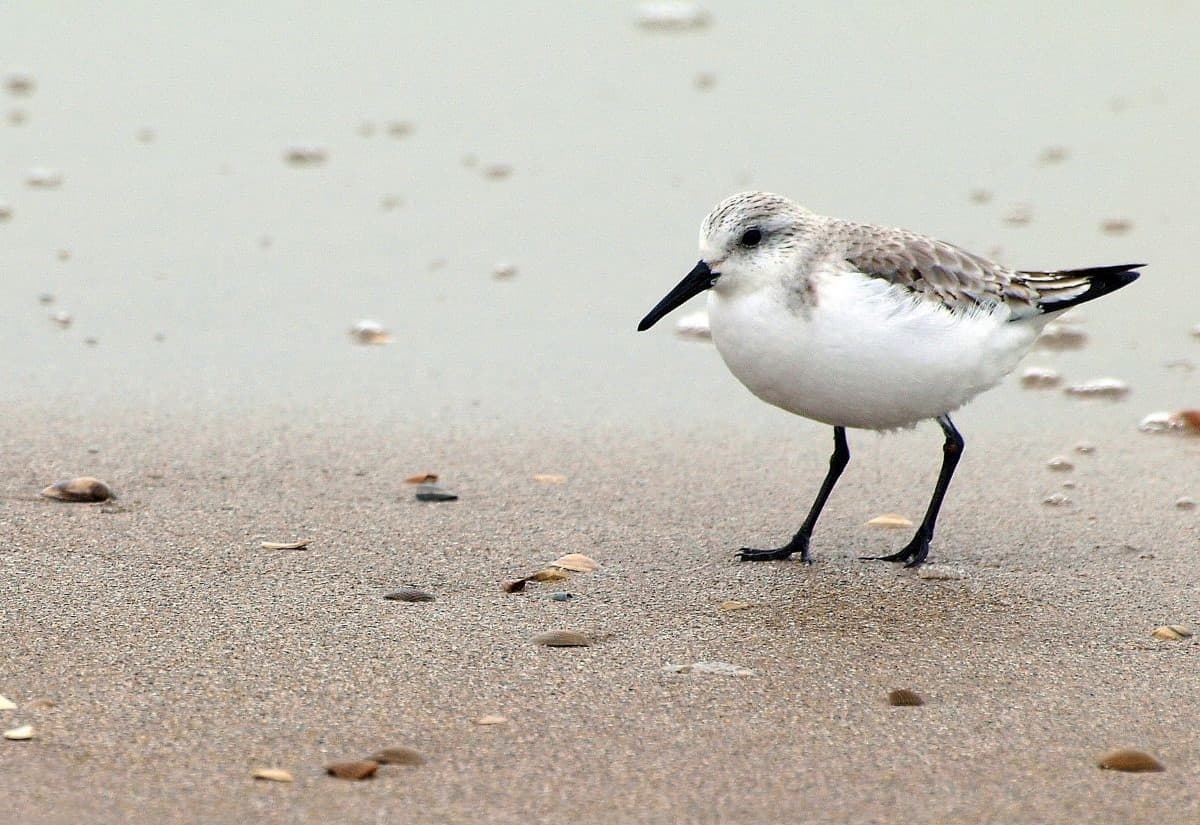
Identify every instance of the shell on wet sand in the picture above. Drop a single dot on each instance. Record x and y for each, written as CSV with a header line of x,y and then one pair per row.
x,y
83,488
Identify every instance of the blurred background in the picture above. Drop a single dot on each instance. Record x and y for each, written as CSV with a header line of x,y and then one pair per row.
x,y
198,201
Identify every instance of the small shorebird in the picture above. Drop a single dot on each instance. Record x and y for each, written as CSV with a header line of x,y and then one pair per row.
x,y
866,327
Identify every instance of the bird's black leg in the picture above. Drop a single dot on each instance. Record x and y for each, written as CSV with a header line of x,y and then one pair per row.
x,y
914,553
799,542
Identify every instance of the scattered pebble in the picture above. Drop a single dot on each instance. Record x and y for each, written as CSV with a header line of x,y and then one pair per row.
x,y
576,562
20,82
1040,378
1099,388
562,597
6,211
1172,632
713,668
497,171
1085,448
1186,503
491,719
1059,336
1130,761
694,325
503,271
355,770
904,698
672,15
1053,154
1019,215
6,703
734,604
422,478
20,734
1060,464
1115,226
16,117
409,594
401,128
145,135
704,81
305,154
370,333
43,177
1196,331
432,492
548,575
273,775
398,756
91,341
549,478
286,545
1056,500
893,521
979,196
391,202
84,488
561,638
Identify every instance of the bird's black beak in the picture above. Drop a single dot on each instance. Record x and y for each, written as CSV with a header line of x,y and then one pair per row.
x,y
695,282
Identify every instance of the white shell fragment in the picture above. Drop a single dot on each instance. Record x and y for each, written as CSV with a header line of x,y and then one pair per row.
x,y
1060,463
1099,388
694,325
43,177
713,668
1160,422
503,271
893,521
1040,378
1172,632
370,333
305,154
672,15
1019,215
576,563
286,545
273,775
1196,331
19,734
1058,336
491,719
1056,500
1186,503
6,703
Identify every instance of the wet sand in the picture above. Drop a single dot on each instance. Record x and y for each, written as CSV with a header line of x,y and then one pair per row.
x,y
180,655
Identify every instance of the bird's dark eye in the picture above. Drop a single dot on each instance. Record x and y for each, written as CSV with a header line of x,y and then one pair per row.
x,y
751,237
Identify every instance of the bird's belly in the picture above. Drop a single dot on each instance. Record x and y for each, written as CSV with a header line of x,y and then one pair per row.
x,y
871,363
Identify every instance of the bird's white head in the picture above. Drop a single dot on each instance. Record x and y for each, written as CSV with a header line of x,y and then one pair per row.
x,y
746,239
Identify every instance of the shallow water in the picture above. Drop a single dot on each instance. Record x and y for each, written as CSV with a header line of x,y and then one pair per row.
x,y
881,114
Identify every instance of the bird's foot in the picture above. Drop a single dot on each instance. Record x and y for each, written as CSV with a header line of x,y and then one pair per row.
x,y
913,554
778,554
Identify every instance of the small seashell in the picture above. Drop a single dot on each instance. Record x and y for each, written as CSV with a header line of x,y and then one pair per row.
x,y
979,196
504,271
432,492
398,756
43,177
548,575
513,585
712,668
491,719
1172,632
1056,500
370,333
694,325
354,770
1115,226
1060,463
1019,214
1196,331
6,703
561,638
497,171
145,135
672,15
576,563
273,775
893,521
1053,154
549,478
1040,378
20,82
1186,503
1059,336
409,594
20,734
1129,760
904,698
422,478
286,545
734,604
1159,422
1099,388
1085,448
305,154
84,488
401,128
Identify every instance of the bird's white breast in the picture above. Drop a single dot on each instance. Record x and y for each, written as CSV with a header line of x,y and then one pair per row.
x,y
862,353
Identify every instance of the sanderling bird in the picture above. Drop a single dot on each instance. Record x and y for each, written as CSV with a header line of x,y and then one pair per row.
x,y
866,327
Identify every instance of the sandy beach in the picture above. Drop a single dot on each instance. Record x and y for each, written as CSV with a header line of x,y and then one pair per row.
x,y
196,206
